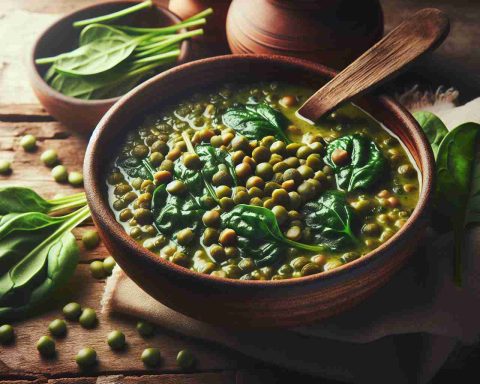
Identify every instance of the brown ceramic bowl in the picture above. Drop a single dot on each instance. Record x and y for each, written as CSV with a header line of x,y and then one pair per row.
x,y
83,115
236,302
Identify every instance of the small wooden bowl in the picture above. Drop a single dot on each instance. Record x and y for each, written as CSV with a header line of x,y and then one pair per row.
x,y
236,302
77,114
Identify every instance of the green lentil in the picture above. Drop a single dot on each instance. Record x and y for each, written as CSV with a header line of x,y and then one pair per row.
x,y
116,340
7,334
46,346
86,357
75,178
176,187
49,157
5,167
88,318
59,173
185,236
97,270
185,359
58,328
90,239
151,357
72,311
145,329
28,142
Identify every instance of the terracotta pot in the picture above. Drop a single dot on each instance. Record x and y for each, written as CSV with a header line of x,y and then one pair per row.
x,y
330,32
238,302
77,114
214,41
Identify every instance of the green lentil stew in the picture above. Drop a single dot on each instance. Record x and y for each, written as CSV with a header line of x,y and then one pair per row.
x,y
231,183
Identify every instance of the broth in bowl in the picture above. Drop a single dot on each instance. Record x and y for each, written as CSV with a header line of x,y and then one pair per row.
x,y
230,182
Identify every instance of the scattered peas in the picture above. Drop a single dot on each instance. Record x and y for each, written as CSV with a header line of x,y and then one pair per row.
x,y
7,334
88,318
108,265
186,359
90,239
5,167
145,329
75,178
59,173
58,328
49,157
28,142
72,311
86,357
46,346
151,357
116,340
97,270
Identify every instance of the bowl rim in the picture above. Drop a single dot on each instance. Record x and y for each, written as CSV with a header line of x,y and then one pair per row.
x,y
105,219
46,88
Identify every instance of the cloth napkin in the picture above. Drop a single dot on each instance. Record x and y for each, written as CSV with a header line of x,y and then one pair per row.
x,y
402,334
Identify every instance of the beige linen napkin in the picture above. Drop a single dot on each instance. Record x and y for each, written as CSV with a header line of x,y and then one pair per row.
x,y
402,334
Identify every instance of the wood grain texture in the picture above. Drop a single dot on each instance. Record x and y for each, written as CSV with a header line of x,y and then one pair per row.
x,y
417,35
456,63
21,357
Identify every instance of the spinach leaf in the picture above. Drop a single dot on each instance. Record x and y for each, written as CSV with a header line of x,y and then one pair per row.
x,y
112,83
99,31
20,199
259,233
255,121
105,51
457,194
330,219
134,167
173,213
212,158
433,127
366,166
37,254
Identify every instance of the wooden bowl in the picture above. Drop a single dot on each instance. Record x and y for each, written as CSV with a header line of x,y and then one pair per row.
x,y
77,114
329,32
236,302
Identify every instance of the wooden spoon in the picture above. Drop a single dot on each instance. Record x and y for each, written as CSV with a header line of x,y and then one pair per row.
x,y
422,32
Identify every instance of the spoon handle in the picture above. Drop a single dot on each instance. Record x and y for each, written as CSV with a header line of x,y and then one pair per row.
x,y
422,32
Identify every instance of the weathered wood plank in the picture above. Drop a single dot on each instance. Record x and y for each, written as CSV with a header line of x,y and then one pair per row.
x,y
179,378
23,112
21,357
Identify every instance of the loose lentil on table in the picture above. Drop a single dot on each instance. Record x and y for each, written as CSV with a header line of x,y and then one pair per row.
x,y
272,173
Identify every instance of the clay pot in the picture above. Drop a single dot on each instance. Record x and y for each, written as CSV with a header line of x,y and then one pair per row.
x,y
214,41
249,303
330,32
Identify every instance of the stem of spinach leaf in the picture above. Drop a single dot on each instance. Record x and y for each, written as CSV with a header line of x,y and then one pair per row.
x,y
162,30
114,15
76,203
200,15
191,149
155,47
306,247
146,163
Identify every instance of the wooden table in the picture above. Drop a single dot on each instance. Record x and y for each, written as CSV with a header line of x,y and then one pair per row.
x,y
21,114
